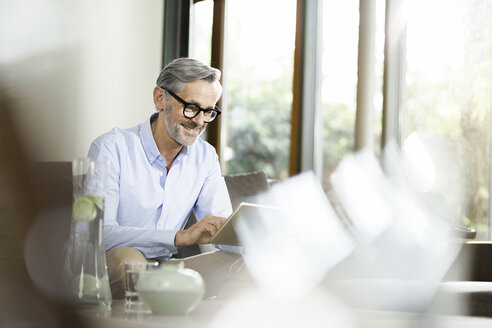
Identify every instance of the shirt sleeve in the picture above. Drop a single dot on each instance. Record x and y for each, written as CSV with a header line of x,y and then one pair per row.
x,y
213,198
116,235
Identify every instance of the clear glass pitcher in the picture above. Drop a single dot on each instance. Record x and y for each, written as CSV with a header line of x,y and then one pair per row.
x,y
85,262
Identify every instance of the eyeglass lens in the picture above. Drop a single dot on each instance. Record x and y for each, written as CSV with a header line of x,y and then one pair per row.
x,y
192,111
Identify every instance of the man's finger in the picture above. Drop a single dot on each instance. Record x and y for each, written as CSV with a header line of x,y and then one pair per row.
x,y
211,228
215,220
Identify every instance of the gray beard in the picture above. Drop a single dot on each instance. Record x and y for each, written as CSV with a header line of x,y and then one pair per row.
x,y
173,129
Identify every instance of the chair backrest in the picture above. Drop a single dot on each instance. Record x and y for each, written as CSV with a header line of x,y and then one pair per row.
x,y
53,182
242,186
53,188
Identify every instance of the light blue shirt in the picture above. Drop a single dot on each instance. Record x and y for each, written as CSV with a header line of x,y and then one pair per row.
x,y
146,205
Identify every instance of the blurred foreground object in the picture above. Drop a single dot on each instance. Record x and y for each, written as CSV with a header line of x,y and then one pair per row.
x,y
389,251
21,304
289,254
404,249
316,308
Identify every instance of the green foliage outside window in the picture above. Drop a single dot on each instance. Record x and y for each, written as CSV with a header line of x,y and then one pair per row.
x,y
259,125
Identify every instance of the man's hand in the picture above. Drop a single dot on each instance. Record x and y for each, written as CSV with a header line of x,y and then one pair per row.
x,y
199,233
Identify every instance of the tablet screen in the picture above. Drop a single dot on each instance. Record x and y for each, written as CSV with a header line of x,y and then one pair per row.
x,y
245,211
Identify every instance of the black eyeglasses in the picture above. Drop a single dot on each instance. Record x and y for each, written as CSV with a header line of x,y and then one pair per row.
x,y
192,110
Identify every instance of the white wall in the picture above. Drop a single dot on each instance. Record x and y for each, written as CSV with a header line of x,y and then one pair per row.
x,y
78,68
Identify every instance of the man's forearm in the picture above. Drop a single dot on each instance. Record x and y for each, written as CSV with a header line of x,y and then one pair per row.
x,y
123,236
180,240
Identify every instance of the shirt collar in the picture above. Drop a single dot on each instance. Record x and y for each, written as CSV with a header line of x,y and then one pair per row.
x,y
148,141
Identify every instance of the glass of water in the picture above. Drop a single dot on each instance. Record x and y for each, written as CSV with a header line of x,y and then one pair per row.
x,y
133,270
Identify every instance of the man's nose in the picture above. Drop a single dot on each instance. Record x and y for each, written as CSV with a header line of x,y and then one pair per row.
x,y
199,119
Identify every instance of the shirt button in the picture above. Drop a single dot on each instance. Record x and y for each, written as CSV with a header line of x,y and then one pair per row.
x,y
161,174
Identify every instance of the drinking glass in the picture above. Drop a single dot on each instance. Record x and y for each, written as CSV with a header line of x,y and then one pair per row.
x,y
133,271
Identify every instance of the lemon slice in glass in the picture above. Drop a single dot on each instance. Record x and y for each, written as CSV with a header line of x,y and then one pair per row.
x,y
99,201
84,209
85,285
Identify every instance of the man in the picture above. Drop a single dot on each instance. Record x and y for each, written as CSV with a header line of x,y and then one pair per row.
x,y
161,170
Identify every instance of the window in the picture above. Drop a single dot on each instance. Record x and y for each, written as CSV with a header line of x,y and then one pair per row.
x,y
200,41
258,75
441,90
338,81
448,98
201,30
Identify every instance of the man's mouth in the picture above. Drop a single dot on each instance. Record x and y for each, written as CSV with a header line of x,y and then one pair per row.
x,y
191,127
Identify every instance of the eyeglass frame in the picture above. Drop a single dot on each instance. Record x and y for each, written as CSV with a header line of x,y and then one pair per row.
x,y
186,104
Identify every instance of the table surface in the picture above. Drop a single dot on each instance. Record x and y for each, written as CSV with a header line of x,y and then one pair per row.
x,y
118,317
250,313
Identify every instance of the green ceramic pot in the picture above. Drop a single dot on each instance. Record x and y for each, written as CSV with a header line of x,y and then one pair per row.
x,y
171,290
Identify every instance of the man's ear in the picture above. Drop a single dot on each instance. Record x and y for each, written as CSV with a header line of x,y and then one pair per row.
x,y
159,98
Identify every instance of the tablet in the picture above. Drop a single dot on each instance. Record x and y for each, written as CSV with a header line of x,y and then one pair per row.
x,y
226,235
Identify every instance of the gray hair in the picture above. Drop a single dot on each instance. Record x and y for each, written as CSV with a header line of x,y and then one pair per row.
x,y
180,71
